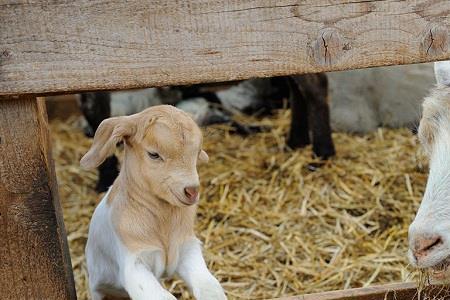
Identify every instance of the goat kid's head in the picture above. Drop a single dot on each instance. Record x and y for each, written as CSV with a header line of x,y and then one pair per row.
x,y
429,234
162,150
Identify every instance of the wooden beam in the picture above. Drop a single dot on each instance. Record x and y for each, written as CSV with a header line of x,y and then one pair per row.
x,y
68,46
34,256
397,291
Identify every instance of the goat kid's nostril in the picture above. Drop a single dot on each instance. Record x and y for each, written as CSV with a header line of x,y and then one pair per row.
x,y
424,246
191,192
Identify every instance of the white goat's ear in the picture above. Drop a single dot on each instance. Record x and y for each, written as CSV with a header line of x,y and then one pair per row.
x,y
442,72
203,157
110,132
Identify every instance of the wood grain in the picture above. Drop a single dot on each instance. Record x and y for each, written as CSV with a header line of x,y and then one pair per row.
x,y
67,46
398,291
34,259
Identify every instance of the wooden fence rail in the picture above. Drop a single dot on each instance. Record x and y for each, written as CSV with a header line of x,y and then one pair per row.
x,y
397,291
67,46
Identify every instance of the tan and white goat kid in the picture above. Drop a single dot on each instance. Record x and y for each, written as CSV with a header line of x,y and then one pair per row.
x,y
143,228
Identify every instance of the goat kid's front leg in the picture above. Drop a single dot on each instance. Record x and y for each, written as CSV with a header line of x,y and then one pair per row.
x,y
193,270
141,283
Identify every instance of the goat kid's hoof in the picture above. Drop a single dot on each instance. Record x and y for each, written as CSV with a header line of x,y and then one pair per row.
x,y
210,290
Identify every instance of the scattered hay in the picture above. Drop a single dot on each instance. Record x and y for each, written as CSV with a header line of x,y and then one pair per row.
x,y
271,224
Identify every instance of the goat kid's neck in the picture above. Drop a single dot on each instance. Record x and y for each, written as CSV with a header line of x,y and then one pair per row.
x,y
144,221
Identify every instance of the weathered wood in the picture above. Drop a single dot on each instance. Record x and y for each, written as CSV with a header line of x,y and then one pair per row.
x,y
34,257
60,46
398,291
62,107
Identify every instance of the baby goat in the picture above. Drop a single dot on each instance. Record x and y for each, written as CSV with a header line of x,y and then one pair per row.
x,y
144,226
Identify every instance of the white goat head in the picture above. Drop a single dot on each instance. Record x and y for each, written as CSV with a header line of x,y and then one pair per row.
x,y
429,234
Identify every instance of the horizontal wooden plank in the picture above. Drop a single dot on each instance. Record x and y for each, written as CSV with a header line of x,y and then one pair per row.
x,y
67,46
398,291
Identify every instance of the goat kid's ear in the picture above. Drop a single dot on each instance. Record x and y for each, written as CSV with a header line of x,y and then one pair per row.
x,y
442,72
203,158
110,132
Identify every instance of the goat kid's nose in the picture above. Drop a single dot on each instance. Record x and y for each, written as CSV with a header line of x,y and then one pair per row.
x,y
191,192
423,245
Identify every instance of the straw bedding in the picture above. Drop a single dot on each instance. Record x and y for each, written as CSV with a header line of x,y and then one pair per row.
x,y
277,222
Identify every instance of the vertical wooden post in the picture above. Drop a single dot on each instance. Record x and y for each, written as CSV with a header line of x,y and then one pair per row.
x,y
34,256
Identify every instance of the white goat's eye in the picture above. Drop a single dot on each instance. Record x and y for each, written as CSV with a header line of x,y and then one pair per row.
x,y
153,155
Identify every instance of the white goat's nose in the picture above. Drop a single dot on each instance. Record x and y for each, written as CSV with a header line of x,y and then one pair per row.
x,y
423,244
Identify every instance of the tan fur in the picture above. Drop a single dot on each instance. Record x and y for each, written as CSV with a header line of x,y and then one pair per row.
x,y
113,192
145,198
435,107
153,225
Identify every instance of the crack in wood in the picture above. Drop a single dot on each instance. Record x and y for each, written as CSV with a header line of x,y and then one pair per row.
x,y
434,40
247,9
351,2
431,43
326,49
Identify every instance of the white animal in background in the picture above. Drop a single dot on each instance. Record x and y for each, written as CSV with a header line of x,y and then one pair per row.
x,y
429,234
143,228
363,100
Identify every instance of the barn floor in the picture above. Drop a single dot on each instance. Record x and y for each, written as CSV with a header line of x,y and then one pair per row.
x,y
272,223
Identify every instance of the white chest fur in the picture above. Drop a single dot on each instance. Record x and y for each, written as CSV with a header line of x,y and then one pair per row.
x,y
115,270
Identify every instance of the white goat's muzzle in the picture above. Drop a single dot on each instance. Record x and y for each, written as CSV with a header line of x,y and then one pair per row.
x,y
429,247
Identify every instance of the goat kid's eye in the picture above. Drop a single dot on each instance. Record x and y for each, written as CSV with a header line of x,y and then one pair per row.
x,y
154,155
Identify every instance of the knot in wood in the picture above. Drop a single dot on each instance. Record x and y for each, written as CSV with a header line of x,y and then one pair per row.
x,y
328,47
5,53
434,40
